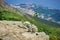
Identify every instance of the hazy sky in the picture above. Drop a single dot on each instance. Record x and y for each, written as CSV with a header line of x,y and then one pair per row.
x,y
49,3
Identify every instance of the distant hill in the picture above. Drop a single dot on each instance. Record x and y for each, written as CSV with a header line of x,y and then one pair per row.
x,y
46,12
3,4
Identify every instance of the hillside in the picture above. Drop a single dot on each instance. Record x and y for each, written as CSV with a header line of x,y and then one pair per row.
x,y
15,16
3,4
8,14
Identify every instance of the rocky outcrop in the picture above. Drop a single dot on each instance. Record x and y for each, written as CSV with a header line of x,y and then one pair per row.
x,y
5,5
2,3
17,30
30,27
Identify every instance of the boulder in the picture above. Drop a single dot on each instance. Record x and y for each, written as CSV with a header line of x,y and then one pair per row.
x,y
31,27
9,30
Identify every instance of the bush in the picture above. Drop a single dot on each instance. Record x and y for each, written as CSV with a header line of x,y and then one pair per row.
x,y
53,37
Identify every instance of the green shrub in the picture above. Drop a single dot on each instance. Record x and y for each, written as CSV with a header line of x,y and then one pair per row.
x,y
53,37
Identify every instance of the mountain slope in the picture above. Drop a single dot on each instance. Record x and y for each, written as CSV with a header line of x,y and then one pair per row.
x,y
52,30
15,16
46,12
3,4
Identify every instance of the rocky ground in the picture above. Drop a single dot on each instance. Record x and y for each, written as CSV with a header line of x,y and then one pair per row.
x,y
17,30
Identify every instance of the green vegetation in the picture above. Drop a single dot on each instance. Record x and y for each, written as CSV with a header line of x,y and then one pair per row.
x,y
36,14
52,30
52,37
10,15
